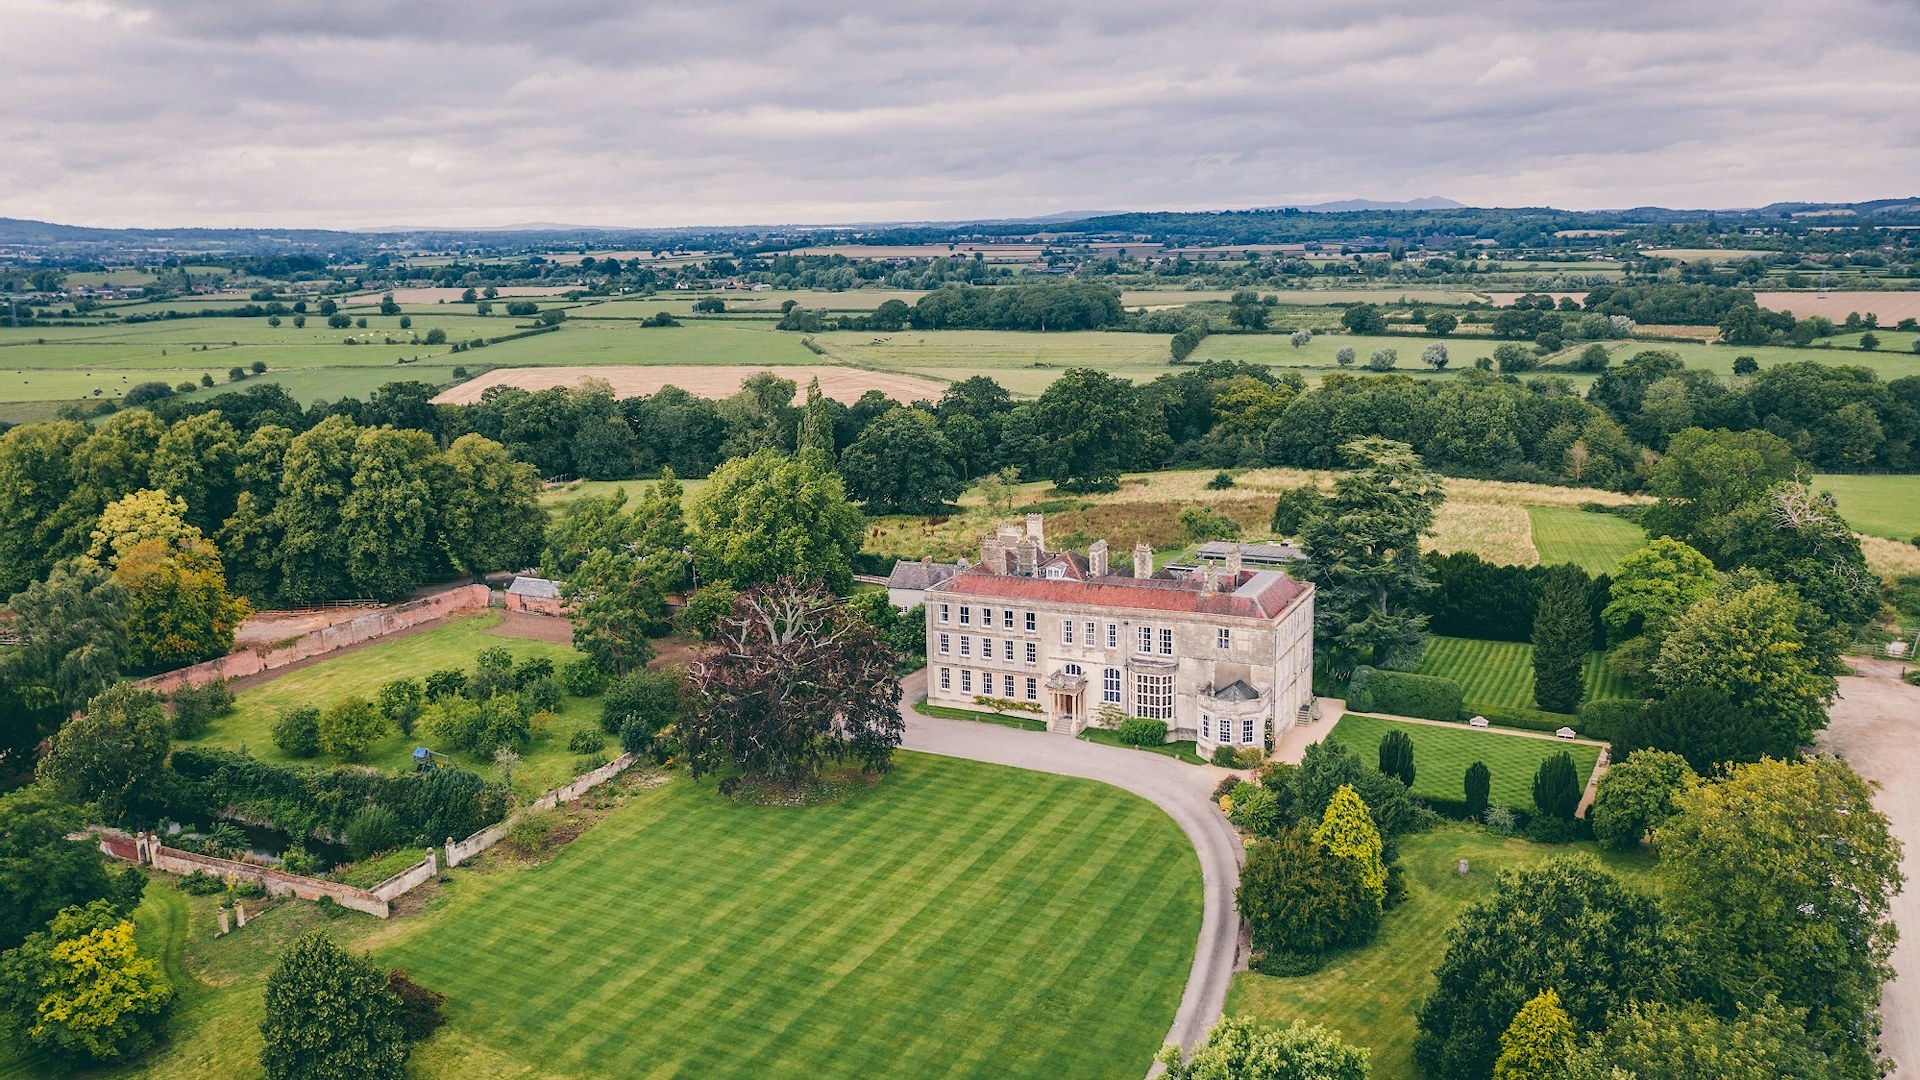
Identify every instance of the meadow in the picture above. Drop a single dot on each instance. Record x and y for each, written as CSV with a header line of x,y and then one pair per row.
x,y
1887,506
1499,674
546,763
1442,753
955,920
1371,995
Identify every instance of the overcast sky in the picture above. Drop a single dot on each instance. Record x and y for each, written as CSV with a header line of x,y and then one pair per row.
x,y
432,112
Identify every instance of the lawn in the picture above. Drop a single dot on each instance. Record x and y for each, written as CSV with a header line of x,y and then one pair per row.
x,y
1499,674
1594,542
545,764
1372,995
1886,506
1441,756
957,920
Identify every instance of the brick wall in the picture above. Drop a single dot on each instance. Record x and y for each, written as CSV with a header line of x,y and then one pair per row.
x,y
459,851
374,624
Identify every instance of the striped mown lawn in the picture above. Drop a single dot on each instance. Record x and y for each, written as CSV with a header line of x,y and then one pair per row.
x,y
959,920
1594,542
1499,674
1441,756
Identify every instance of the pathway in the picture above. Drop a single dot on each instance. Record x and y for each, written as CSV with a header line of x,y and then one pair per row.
x,y
1183,791
1875,721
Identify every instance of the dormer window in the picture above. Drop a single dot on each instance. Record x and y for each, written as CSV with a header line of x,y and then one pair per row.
x,y
1056,572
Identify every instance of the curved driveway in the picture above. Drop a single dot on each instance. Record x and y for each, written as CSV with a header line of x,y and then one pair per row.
x,y
1182,790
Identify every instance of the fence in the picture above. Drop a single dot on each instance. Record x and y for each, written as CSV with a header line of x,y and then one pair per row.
x,y
149,851
327,639
459,851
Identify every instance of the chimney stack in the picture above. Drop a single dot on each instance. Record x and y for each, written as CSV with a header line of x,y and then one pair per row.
x,y
1036,530
1233,561
1029,556
993,555
1209,584
1142,560
1097,559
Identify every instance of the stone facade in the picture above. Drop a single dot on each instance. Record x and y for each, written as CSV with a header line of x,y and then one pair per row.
x,y
1223,654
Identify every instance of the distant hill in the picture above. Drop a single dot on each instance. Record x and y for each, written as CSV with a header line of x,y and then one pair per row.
x,y
1431,202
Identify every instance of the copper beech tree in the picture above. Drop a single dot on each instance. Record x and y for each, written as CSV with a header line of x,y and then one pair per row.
x,y
797,678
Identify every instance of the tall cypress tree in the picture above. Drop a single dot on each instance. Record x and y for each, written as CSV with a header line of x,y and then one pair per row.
x,y
1562,631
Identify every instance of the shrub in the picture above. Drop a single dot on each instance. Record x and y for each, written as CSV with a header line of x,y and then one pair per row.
x,y
1396,756
530,831
648,698
1636,796
543,694
1404,694
531,670
1608,718
1479,787
1221,481
349,727
586,741
1299,899
1557,787
1501,821
419,1011
329,1013
582,677
371,830
400,702
194,707
297,731
1225,757
1256,809
445,683
1140,731
1523,719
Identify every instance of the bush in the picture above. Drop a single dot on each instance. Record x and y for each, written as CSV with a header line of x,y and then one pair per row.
x,y
1609,718
1500,821
648,698
400,702
297,731
194,707
531,670
1140,731
586,741
530,831
349,727
1403,693
445,683
1523,719
371,830
1224,757
1557,787
582,677
1221,481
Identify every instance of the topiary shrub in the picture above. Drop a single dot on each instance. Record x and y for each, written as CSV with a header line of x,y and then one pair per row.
x,y
1403,693
1140,731
1479,788
1396,756
1557,787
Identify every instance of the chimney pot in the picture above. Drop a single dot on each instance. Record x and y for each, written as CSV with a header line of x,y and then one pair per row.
x,y
1142,560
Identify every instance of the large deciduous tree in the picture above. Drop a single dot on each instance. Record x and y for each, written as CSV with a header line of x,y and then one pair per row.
x,y
1363,551
73,642
42,870
1747,643
1652,587
618,571
1783,873
797,679
112,754
316,483
1705,474
1657,1041
770,516
1566,924
179,610
390,513
36,478
330,1016
490,513
1090,428
1636,796
80,990
902,464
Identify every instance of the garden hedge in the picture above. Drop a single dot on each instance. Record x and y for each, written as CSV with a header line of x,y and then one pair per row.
x,y
1609,717
1403,693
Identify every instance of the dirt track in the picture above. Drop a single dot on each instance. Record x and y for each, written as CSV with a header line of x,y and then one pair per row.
x,y
1874,727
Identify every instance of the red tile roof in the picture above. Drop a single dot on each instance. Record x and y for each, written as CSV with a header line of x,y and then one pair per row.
x,y
1260,594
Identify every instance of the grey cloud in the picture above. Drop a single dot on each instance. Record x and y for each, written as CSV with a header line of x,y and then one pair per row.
x,y
355,113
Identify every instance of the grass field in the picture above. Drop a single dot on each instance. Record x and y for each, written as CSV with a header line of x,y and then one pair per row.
x,y
1886,506
1441,756
545,764
1594,542
957,920
1499,674
1372,995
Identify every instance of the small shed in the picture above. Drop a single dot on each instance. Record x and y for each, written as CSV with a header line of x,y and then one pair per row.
x,y
535,595
907,585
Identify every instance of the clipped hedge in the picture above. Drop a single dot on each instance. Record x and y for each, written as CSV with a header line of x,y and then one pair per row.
x,y
1403,693
1524,719
1139,731
1608,718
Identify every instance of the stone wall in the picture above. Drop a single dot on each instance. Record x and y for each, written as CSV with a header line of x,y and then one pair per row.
x,y
149,851
459,851
375,624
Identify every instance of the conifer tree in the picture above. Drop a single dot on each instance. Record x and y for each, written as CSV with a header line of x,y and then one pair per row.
x,y
1539,1042
1562,634
1347,831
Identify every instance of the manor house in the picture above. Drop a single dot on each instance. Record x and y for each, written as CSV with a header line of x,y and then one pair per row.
x,y
1221,652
